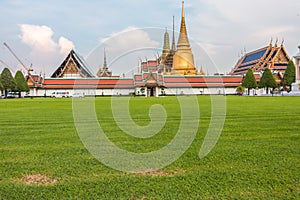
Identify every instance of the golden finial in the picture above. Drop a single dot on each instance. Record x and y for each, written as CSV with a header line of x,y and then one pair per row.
x,y
182,26
271,42
182,9
282,41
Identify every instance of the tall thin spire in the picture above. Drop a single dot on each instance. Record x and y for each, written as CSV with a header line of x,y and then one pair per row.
x,y
183,40
173,39
105,62
183,26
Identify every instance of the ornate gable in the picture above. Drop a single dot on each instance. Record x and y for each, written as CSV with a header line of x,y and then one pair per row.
x,y
70,68
281,56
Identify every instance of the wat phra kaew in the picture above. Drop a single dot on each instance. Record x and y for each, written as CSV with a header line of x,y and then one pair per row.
x,y
173,73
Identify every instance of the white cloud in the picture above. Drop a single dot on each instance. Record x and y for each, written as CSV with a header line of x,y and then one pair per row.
x,y
39,38
125,48
65,45
129,39
45,52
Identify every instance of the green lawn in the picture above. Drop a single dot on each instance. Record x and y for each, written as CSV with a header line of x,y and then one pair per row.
x,y
256,157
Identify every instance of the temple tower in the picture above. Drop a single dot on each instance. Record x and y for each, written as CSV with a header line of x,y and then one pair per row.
x,y
183,61
166,48
104,71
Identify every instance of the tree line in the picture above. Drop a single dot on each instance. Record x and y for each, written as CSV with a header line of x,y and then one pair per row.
x,y
8,83
268,80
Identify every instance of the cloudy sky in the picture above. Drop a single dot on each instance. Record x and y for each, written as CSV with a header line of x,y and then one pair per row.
x,y
43,32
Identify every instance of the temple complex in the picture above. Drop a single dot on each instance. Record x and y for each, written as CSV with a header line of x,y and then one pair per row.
x,y
173,73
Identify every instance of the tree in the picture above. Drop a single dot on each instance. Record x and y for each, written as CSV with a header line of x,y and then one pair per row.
x,y
142,90
289,75
7,80
249,81
1,88
21,84
240,90
267,80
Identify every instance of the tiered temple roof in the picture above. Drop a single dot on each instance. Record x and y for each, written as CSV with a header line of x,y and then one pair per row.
x,y
273,57
72,67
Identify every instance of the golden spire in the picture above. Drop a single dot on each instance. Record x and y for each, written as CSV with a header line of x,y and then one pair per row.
x,y
183,60
183,38
183,27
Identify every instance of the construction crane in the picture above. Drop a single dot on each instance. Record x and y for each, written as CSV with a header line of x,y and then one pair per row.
x,y
28,69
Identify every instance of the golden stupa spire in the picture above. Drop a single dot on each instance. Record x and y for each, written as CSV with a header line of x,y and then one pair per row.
x,y
183,61
183,27
183,38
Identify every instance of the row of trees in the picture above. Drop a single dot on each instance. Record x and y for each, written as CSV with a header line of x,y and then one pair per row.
x,y
8,83
268,81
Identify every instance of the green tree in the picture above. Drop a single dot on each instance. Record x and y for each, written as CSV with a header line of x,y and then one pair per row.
x,y
21,84
249,81
142,90
1,88
267,80
289,75
7,80
240,90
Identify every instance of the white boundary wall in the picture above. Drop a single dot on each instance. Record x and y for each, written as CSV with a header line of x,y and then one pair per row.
x,y
34,92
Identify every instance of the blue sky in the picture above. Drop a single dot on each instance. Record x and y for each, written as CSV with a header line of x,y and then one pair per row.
x,y
42,32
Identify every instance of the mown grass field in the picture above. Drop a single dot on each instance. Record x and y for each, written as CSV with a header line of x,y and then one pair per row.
x,y
256,157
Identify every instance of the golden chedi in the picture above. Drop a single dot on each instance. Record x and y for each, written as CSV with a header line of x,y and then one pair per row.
x,y
183,61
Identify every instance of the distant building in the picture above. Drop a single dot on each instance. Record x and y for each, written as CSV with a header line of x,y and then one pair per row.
x,y
274,57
